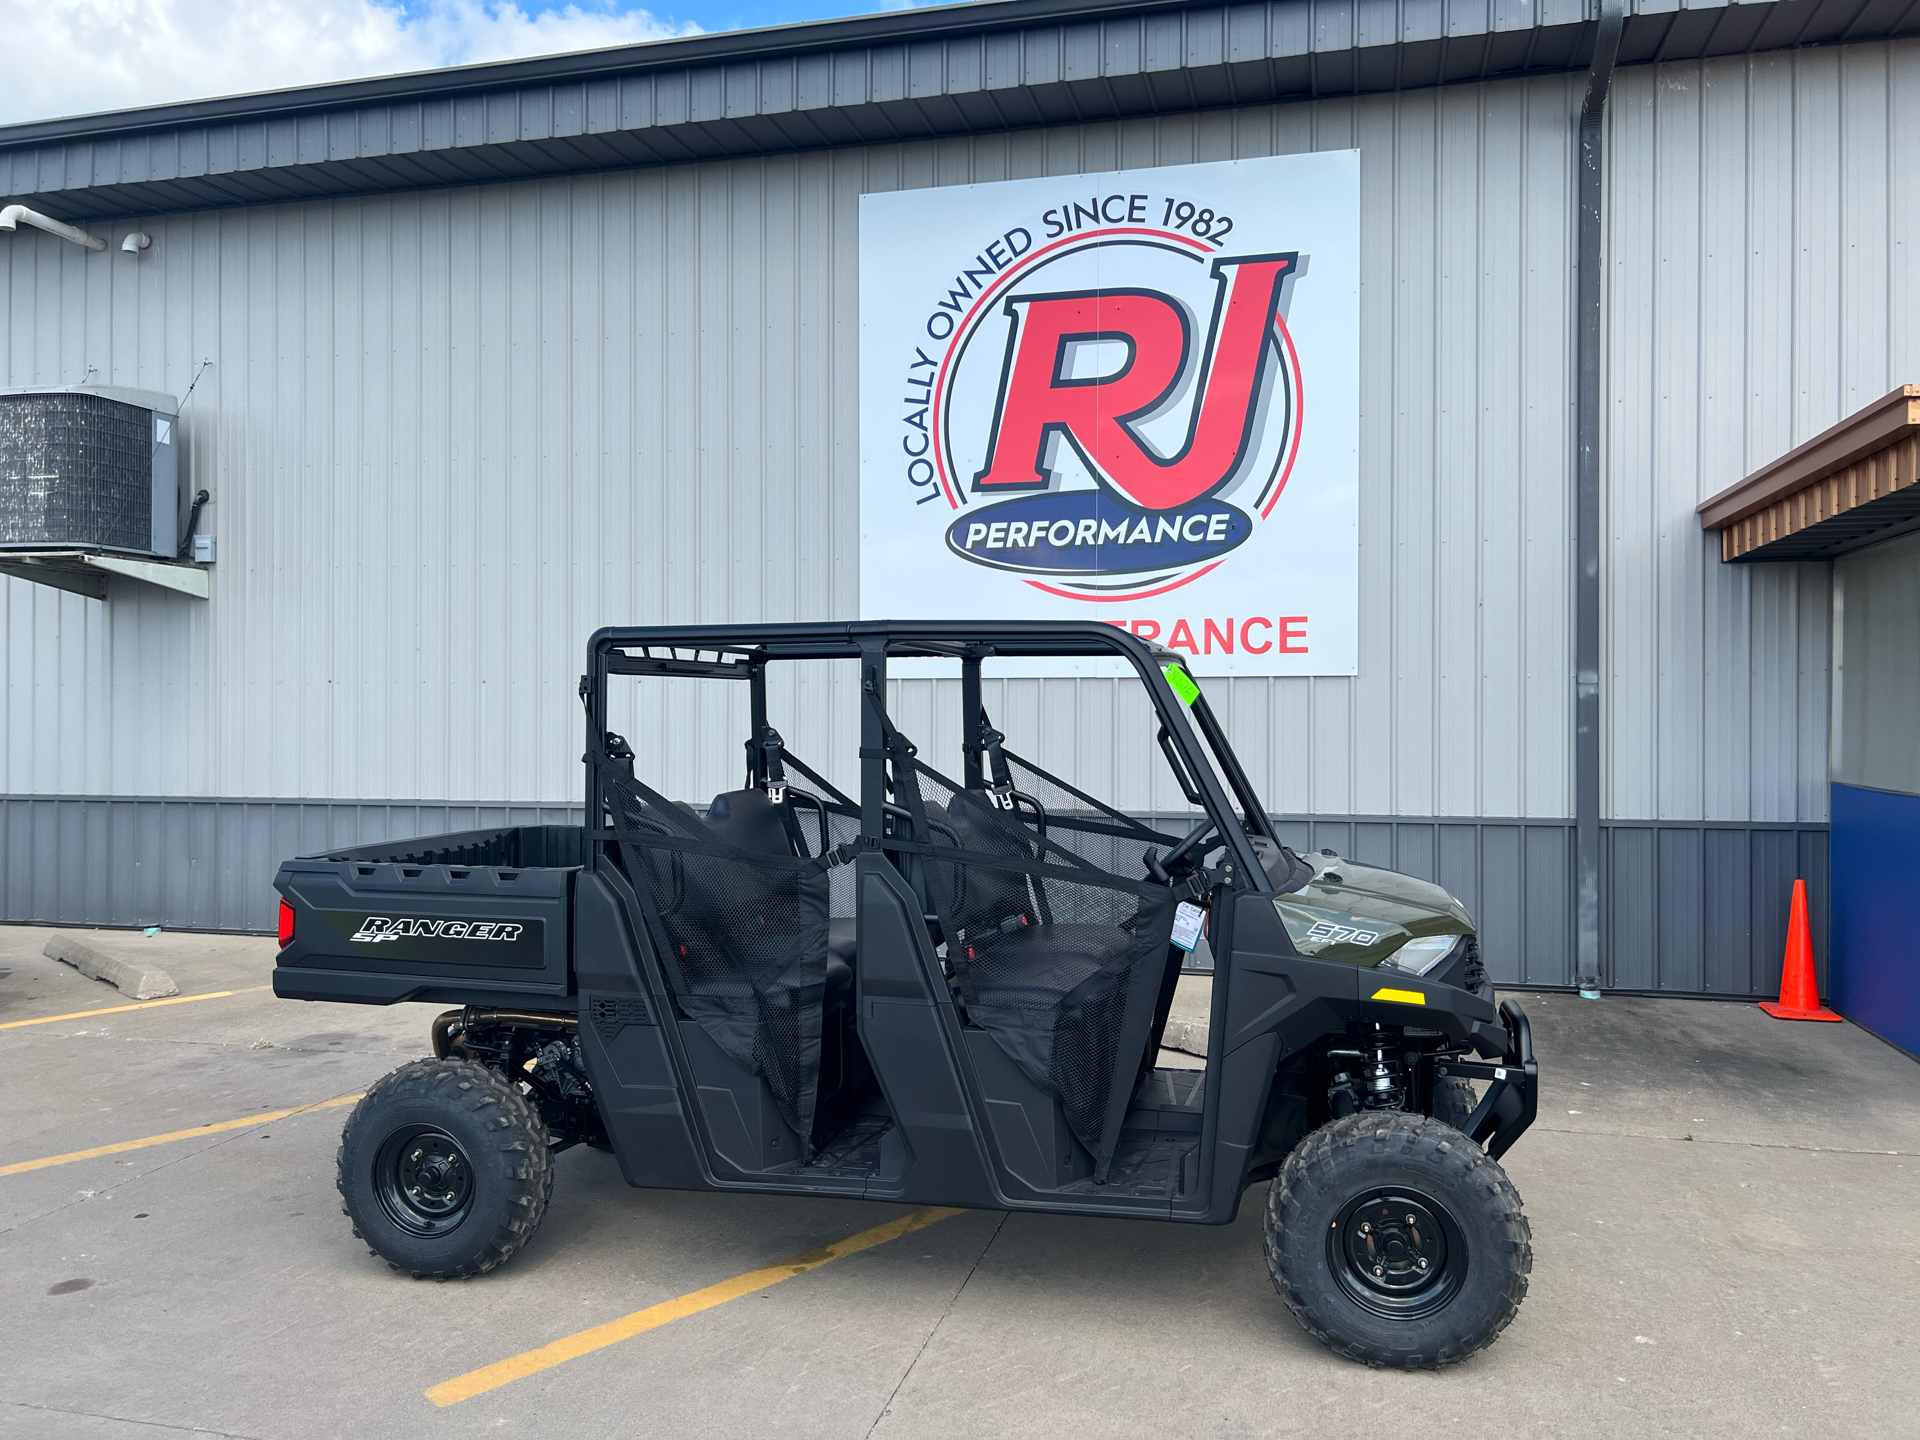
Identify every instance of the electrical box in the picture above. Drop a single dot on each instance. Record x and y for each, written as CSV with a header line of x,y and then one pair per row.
x,y
89,467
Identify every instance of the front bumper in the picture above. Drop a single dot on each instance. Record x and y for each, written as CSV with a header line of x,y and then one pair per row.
x,y
1513,1096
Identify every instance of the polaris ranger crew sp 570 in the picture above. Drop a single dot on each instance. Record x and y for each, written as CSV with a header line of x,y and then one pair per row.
x,y
946,984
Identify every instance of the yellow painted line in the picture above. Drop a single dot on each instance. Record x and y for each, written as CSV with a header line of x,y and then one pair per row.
x,y
143,1005
22,1166
502,1372
1405,997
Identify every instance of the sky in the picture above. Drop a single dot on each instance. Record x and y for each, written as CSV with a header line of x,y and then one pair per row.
x,y
75,57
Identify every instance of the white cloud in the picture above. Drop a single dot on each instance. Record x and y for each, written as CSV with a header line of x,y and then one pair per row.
x,y
71,57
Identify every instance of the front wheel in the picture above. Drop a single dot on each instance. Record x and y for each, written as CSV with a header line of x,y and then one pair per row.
x,y
1395,1240
1454,1101
445,1169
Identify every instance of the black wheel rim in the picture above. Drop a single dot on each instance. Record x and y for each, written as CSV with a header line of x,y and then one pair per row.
x,y
1397,1253
424,1180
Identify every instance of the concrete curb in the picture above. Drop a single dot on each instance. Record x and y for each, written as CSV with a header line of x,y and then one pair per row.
x,y
130,978
1189,1037
1192,1009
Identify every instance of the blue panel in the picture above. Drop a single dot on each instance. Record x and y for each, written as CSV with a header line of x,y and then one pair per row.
x,y
1876,912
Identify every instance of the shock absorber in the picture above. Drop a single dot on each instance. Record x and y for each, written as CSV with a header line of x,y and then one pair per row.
x,y
1382,1083
1372,1078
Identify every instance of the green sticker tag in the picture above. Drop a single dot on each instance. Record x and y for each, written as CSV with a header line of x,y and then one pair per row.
x,y
1182,684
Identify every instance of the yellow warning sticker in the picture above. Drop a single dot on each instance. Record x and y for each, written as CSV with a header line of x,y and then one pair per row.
x,y
1404,997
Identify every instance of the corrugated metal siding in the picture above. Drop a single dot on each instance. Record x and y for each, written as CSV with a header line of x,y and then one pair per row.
x,y
196,864
450,433
1702,908
1696,908
1763,236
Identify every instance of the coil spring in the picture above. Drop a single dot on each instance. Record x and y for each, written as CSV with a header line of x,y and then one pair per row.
x,y
1382,1086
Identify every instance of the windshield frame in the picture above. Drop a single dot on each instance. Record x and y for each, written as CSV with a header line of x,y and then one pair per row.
x,y
1253,813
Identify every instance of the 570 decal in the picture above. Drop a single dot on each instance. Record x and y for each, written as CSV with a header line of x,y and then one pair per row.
x,y
1342,934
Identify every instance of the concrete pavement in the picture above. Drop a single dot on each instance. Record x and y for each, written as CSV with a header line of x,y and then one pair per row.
x,y
1761,1276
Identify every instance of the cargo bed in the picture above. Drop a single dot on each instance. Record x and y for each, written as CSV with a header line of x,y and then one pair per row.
x,y
479,917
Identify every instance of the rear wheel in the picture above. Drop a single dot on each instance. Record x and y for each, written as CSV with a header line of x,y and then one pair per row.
x,y
445,1169
1395,1241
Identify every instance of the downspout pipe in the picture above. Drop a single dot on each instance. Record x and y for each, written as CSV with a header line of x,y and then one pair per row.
x,y
13,215
1587,420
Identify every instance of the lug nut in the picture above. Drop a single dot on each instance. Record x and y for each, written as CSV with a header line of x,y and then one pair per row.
x,y
1378,1271
1410,1220
1421,1263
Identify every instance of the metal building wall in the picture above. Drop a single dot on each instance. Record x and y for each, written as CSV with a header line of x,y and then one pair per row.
x,y
1763,239
1763,249
451,432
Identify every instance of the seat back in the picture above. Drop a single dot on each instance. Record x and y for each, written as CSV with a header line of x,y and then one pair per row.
x,y
739,924
747,818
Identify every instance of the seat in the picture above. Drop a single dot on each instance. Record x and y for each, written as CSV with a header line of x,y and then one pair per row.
x,y
1057,958
1036,966
748,819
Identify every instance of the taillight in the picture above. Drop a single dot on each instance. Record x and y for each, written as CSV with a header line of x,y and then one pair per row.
x,y
286,924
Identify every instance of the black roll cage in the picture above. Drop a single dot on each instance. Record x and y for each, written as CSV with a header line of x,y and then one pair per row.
x,y
742,652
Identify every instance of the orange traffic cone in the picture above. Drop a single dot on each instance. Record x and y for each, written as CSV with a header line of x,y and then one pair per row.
x,y
1799,992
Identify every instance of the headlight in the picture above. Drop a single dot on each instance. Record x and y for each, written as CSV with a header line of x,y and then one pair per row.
x,y
1422,955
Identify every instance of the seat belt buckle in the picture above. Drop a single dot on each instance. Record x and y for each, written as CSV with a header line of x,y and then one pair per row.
x,y
777,791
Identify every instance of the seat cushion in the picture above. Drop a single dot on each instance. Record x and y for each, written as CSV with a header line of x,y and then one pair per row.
x,y
1036,966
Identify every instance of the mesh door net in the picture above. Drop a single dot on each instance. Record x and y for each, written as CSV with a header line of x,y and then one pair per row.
x,y
1107,838
1057,958
839,816
743,937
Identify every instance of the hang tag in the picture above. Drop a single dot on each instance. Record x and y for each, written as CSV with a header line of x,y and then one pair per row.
x,y
1187,920
1182,684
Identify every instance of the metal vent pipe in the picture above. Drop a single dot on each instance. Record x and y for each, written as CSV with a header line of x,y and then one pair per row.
x,y
11,217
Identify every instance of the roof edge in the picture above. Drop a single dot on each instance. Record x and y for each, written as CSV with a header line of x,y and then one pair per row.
x,y
1872,428
720,47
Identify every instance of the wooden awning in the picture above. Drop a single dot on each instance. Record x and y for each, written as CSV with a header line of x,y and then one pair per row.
x,y
1847,487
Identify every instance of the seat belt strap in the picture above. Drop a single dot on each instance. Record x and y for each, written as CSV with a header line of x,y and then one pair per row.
x,y
771,747
988,741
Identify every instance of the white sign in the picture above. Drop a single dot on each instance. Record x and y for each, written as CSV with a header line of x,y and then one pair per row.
x,y
1130,397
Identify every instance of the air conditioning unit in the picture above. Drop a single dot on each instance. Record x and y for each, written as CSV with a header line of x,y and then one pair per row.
x,y
91,486
89,466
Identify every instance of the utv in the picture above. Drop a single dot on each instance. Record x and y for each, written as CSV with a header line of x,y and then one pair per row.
x,y
946,984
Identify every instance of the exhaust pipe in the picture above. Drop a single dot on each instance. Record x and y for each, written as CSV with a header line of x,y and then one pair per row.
x,y
444,1040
